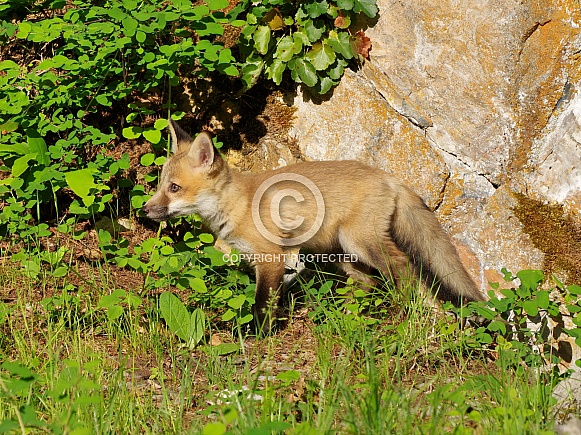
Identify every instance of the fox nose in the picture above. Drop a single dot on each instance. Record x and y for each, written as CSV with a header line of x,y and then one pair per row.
x,y
145,208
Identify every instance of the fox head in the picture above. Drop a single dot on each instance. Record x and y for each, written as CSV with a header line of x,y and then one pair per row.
x,y
188,178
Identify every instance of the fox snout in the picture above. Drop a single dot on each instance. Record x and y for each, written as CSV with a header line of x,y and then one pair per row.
x,y
155,212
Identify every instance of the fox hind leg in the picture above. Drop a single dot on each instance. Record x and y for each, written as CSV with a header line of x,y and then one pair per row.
x,y
359,272
378,252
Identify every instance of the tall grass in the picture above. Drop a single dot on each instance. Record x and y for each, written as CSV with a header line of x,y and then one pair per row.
x,y
328,371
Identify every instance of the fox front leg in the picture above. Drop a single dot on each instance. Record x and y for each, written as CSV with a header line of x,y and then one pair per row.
x,y
268,291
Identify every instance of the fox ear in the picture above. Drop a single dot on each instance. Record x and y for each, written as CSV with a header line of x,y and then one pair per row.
x,y
202,150
179,137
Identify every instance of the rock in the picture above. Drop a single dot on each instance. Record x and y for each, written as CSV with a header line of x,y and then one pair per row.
x,y
553,170
496,238
487,75
269,154
114,227
571,427
568,396
466,102
359,124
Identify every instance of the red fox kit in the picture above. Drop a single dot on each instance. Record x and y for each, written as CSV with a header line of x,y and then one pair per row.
x,y
354,214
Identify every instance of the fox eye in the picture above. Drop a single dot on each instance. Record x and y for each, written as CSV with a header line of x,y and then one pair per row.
x,y
174,188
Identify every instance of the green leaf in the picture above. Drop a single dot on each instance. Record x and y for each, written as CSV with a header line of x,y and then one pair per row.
x,y
341,43
261,39
251,70
8,127
286,49
116,13
17,369
76,208
226,348
543,299
60,271
189,328
531,307
103,100
313,30
530,279
114,312
133,300
302,69
209,28
132,132
176,315
111,299
335,71
573,308
10,64
24,29
227,69
147,159
216,428
325,84
245,319
217,4
130,25
140,36
198,285
301,39
316,9
206,238
289,376
275,71
81,182
484,338
321,56
507,275
228,315
198,325
368,7
129,4
345,5
497,326
161,123
152,135
21,164
237,302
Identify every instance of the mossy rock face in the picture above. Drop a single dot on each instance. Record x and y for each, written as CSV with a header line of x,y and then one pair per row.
x,y
554,233
467,104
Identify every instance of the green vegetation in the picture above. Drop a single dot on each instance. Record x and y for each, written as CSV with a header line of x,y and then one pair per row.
x,y
111,325
93,358
310,39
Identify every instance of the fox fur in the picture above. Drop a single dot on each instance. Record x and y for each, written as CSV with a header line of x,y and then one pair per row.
x,y
366,213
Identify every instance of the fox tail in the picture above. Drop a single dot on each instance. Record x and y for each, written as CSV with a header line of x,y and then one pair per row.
x,y
416,230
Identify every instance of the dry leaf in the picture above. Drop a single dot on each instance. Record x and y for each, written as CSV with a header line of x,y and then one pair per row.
x,y
216,340
362,44
274,20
